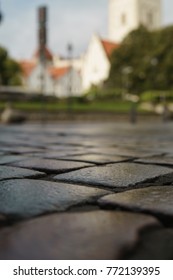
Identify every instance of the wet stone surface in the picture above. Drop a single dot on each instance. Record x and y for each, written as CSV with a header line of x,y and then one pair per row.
x,y
48,165
164,160
84,236
155,244
96,158
9,172
155,200
28,198
5,159
117,175
86,191
121,151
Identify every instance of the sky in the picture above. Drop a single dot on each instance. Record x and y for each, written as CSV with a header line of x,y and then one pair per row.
x,y
69,21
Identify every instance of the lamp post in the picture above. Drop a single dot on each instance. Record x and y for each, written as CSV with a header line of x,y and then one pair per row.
x,y
42,40
70,82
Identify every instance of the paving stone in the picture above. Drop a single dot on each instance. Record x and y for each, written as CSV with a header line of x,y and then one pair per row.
x,y
27,198
96,158
161,160
57,154
48,165
67,148
19,150
3,219
94,235
11,158
155,200
121,151
117,175
155,244
75,236
9,172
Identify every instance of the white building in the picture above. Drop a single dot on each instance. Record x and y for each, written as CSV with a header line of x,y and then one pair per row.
x,y
76,62
66,81
94,66
96,62
62,81
127,15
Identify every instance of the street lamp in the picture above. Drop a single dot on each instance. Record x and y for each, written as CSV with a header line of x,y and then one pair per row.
x,y
70,80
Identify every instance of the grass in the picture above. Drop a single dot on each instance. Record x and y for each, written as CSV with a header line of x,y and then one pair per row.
x,y
96,106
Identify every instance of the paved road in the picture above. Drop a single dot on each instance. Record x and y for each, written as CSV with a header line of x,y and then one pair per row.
x,y
86,191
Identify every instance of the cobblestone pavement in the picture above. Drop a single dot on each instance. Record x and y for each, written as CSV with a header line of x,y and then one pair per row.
x,y
86,191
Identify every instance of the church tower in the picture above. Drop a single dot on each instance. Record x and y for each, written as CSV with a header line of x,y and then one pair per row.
x,y
127,15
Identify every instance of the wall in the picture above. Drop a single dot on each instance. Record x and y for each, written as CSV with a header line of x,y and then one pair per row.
x,y
96,65
119,27
126,15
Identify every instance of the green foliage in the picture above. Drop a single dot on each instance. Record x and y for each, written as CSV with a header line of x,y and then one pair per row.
x,y
97,93
144,61
61,106
10,71
156,96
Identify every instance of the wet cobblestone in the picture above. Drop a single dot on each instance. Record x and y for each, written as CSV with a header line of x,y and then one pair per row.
x,y
50,166
89,235
118,175
8,172
91,190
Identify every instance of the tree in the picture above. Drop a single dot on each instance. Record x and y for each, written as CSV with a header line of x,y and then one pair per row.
x,y
10,71
149,56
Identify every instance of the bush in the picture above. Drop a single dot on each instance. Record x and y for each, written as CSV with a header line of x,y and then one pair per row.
x,y
156,96
104,94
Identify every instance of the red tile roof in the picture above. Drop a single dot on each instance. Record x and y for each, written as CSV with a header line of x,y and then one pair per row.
x,y
27,67
109,47
58,72
48,54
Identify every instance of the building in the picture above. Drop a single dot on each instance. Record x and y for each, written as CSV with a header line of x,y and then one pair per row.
x,y
92,68
66,81
124,16
62,80
127,15
96,62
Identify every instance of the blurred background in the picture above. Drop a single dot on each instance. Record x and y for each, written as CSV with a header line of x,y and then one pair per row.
x,y
103,58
